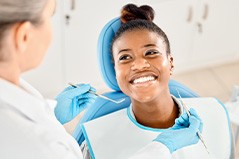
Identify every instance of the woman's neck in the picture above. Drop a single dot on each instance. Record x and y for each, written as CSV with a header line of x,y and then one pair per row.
x,y
158,114
9,72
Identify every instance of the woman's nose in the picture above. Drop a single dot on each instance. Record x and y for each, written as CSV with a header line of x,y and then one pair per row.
x,y
140,64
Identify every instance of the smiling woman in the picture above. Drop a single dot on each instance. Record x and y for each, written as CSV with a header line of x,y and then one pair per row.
x,y
141,52
143,65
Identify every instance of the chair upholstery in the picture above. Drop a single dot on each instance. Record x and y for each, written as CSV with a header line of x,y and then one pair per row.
x,y
102,107
104,53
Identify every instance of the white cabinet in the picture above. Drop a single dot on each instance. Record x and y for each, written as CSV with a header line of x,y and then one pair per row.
x,y
201,32
219,36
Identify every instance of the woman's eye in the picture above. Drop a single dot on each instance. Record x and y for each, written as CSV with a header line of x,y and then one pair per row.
x,y
124,58
152,52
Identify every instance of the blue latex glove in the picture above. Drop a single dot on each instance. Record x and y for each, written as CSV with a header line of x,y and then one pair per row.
x,y
71,101
183,133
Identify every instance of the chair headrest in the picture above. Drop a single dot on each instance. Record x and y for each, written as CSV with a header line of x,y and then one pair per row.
x,y
104,53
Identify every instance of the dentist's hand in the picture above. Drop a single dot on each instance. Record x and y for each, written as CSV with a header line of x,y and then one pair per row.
x,y
183,133
72,101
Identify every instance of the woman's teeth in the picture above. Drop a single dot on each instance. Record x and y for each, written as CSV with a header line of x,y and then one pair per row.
x,y
144,79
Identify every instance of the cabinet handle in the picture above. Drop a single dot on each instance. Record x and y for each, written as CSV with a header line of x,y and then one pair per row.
x,y
199,26
205,13
73,4
190,14
67,19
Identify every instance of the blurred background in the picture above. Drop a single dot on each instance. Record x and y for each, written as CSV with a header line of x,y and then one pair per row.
x,y
204,40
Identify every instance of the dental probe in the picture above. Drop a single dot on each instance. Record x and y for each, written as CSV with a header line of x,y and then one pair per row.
x,y
101,96
188,113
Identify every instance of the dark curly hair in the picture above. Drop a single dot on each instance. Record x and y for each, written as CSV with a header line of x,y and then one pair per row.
x,y
134,17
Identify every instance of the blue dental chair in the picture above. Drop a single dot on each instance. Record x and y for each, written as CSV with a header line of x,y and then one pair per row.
x,y
101,106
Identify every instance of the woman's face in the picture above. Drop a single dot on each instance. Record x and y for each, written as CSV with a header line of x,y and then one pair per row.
x,y
141,64
41,36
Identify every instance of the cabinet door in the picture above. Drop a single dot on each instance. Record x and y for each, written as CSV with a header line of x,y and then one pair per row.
x,y
217,39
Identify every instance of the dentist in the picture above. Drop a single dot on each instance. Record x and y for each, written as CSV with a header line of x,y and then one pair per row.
x,y
29,128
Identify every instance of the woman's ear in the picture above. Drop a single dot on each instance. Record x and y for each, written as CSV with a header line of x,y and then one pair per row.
x,y
171,64
23,34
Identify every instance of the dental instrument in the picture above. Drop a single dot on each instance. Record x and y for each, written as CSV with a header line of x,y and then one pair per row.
x,y
101,96
187,111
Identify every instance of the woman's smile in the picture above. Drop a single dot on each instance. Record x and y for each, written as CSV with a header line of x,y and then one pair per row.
x,y
143,79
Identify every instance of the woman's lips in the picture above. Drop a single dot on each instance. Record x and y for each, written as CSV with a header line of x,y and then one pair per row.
x,y
143,79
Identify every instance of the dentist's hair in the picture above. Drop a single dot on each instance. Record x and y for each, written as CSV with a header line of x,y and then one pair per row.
x,y
139,18
16,11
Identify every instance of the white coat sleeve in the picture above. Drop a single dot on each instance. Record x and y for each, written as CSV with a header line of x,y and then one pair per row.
x,y
154,150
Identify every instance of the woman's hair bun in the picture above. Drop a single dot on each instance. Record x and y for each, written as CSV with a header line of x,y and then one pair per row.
x,y
132,12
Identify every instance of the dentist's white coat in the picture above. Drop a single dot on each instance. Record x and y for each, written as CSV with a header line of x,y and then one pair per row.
x,y
29,129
